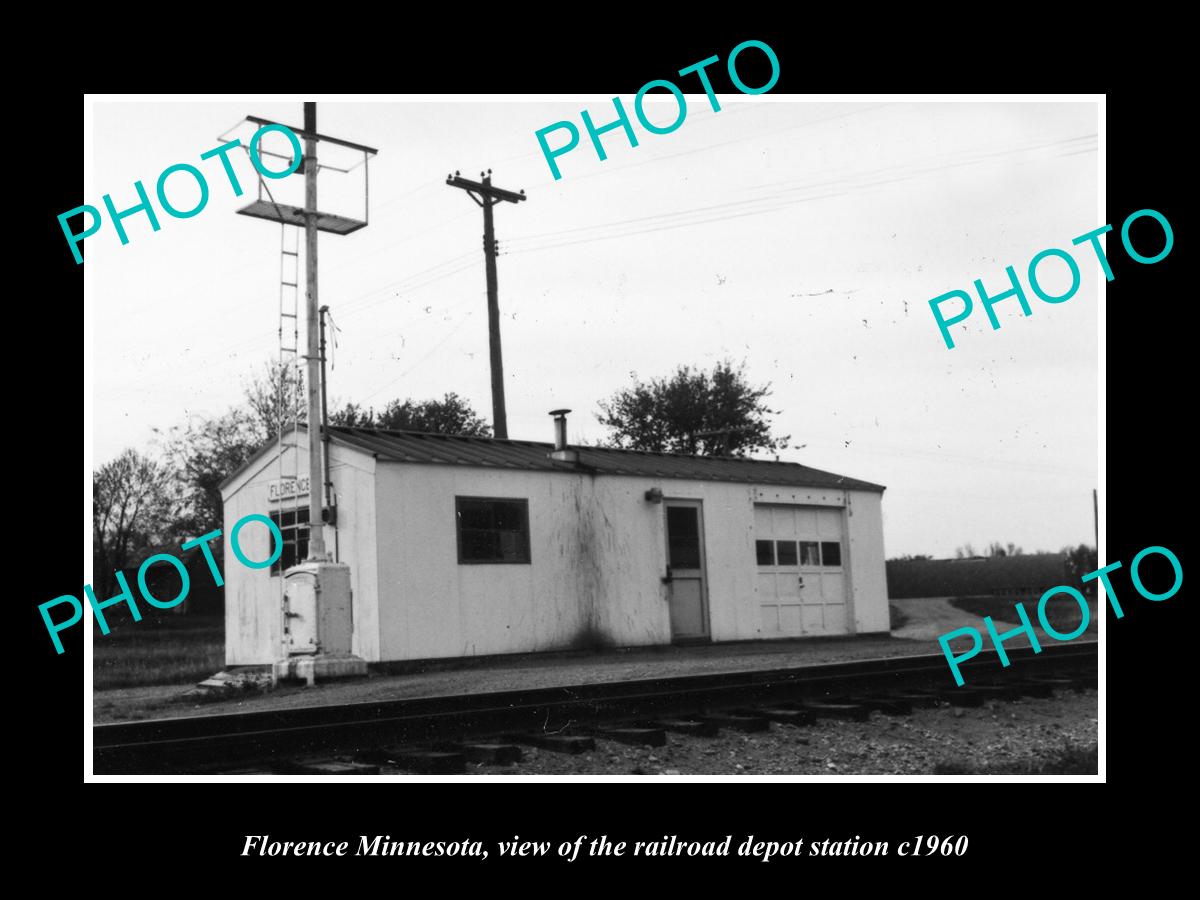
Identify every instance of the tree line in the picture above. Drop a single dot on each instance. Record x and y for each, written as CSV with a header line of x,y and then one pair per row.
x,y
1080,559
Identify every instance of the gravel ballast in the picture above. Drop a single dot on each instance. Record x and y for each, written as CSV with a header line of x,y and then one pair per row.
x,y
1000,736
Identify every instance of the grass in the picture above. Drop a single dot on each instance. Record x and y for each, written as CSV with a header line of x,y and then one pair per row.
x,y
1068,760
1061,612
898,619
164,650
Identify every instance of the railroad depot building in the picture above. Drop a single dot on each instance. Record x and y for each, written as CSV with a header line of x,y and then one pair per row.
x,y
468,546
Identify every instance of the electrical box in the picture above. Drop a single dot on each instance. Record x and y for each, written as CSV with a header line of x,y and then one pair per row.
x,y
318,609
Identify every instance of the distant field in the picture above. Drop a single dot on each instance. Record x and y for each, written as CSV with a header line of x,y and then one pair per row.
x,y
1062,612
164,650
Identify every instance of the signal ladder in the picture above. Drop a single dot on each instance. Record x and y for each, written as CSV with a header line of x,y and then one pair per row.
x,y
288,401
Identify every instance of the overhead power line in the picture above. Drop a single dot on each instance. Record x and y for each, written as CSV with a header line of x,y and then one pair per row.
x,y
760,205
407,285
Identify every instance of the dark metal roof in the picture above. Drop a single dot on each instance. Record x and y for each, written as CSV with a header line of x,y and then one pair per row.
x,y
462,450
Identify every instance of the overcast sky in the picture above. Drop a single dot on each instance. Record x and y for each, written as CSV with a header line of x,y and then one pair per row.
x,y
803,238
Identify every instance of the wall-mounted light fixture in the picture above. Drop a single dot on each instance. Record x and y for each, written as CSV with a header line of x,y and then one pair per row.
x,y
654,495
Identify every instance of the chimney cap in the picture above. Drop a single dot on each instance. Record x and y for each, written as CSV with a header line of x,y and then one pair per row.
x,y
559,412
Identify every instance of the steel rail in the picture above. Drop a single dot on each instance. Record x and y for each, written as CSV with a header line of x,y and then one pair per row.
x,y
196,743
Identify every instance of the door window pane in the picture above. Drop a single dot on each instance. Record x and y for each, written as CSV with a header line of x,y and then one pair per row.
x,y
831,553
683,537
765,552
810,553
786,551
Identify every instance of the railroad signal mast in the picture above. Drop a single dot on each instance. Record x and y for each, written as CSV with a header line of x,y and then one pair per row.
x,y
316,623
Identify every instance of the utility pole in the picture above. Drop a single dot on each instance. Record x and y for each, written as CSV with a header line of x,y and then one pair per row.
x,y
487,196
329,498
316,530
325,413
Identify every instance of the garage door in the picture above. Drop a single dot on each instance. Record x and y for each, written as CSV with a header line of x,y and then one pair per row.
x,y
800,551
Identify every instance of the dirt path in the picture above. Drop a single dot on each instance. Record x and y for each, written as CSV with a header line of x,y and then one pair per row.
x,y
928,618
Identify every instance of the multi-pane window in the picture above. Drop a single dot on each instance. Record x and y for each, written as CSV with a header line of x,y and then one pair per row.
x,y
810,553
492,530
293,525
683,537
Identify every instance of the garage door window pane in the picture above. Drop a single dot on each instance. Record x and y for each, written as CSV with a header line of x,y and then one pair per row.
x,y
786,551
831,553
810,553
765,551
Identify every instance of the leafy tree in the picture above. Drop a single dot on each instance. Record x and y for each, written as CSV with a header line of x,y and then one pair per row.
x,y
202,453
966,551
132,508
995,548
353,416
450,415
264,393
1080,561
206,450
717,413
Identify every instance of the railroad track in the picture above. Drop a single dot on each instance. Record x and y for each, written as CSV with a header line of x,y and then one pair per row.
x,y
436,734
